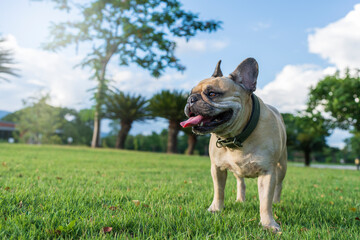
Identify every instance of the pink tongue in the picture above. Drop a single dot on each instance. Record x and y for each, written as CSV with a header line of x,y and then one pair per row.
x,y
193,121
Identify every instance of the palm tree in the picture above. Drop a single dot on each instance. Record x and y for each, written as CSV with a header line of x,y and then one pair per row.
x,y
6,59
126,108
169,105
191,141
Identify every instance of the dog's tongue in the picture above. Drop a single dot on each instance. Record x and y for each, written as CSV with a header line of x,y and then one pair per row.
x,y
193,121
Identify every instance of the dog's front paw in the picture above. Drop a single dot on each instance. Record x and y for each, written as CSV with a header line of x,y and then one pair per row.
x,y
273,226
215,207
240,199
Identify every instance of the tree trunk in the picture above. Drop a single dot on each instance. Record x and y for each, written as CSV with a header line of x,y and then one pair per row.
x,y
97,118
192,138
99,96
333,156
123,132
96,132
307,158
172,136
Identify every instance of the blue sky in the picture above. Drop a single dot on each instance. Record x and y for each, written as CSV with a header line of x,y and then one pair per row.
x,y
295,42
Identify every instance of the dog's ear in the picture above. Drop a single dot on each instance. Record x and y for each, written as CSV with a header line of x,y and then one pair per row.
x,y
246,74
217,72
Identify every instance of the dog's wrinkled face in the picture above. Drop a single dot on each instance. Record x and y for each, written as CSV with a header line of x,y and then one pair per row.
x,y
215,104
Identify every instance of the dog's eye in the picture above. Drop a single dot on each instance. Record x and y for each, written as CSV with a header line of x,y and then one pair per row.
x,y
212,94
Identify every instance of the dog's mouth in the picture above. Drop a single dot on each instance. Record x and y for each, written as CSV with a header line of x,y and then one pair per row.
x,y
206,123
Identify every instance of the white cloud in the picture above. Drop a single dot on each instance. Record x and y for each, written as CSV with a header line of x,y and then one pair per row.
x,y
288,92
141,82
260,26
42,71
339,42
200,45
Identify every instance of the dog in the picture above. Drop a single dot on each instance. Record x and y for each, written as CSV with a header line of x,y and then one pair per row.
x,y
248,137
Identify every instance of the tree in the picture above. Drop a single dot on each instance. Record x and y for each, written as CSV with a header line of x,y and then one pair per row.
x,y
154,142
340,98
201,147
39,122
137,31
78,126
169,105
6,60
126,108
353,146
306,133
191,141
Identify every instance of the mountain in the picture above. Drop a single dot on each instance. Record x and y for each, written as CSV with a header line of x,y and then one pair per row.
x,y
3,113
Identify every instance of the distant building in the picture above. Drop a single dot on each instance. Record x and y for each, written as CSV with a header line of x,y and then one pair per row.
x,y
6,130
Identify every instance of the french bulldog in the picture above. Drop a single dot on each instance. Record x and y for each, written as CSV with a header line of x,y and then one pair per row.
x,y
224,107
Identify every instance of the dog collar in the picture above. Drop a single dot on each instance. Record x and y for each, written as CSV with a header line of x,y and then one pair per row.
x,y
237,141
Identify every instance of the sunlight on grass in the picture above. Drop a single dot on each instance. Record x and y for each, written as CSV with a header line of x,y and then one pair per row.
x,y
75,192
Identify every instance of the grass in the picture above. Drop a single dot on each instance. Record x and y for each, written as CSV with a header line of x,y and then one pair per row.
x,y
61,192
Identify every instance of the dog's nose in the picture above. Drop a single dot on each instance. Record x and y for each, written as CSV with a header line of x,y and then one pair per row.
x,y
192,99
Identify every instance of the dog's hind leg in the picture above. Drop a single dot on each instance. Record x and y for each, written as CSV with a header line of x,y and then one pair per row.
x,y
280,175
241,187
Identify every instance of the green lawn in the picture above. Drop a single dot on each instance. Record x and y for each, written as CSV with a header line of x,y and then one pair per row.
x,y
74,192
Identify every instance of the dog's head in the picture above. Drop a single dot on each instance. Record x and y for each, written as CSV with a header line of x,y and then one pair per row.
x,y
217,103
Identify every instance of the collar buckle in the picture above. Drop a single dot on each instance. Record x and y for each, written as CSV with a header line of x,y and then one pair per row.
x,y
234,143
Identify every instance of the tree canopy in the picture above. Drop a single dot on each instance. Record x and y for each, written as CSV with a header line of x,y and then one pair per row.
x,y
340,98
39,122
142,32
169,105
306,133
138,31
6,62
127,109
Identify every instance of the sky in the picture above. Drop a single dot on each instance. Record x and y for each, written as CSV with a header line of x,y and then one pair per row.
x,y
296,43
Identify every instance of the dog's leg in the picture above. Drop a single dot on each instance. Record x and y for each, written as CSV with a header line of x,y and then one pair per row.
x,y
241,187
219,180
280,174
266,186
